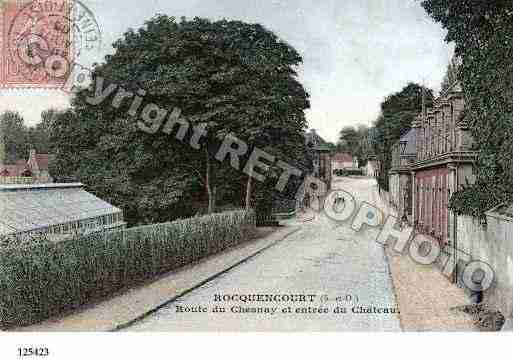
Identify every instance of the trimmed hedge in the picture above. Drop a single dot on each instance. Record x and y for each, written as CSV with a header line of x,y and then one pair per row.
x,y
41,281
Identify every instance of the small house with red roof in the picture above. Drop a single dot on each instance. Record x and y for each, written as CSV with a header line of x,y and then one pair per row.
x,y
33,170
343,160
38,164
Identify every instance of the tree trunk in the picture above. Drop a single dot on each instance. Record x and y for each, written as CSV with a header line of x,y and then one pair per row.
x,y
249,188
211,193
213,199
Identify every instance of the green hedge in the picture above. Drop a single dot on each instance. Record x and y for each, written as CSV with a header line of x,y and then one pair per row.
x,y
41,281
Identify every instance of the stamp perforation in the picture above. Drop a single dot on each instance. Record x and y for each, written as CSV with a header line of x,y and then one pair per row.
x,y
36,78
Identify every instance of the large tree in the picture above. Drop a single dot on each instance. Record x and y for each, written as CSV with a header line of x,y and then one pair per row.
x,y
40,134
397,113
13,137
483,34
451,74
228,76
349,138
355,140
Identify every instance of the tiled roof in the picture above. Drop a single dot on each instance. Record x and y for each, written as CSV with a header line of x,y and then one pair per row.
x,y
42,161
343,157
411,146
13,170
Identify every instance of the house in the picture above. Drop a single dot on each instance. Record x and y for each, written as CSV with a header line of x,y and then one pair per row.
x,y
38,164
342,161
34,170
15,170
404,154
320,152
430,163
371,168
53,211
443,165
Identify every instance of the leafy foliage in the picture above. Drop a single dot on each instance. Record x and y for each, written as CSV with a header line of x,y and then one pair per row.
x,y
39,135
232,77
483,34
41,281
397,113
17,139
451,74
356,142
13,137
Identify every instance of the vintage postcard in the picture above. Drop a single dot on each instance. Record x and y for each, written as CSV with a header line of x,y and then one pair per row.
x,y
255,166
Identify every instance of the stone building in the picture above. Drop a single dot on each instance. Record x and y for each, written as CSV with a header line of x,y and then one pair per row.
x,y
371,168
38,165
320,153
316,189
343,160
404,153
443,162
33,170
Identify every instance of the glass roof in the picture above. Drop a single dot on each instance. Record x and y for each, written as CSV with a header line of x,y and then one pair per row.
x,y
24,209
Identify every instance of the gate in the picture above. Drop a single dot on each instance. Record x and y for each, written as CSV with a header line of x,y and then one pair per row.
x,y
431,201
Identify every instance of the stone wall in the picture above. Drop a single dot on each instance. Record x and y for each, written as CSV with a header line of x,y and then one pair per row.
x,y
493,244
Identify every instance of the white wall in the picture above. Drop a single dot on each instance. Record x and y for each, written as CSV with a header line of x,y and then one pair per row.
x,y
492,244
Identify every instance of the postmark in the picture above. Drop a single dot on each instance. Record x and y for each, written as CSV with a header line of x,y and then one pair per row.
x,y
43,38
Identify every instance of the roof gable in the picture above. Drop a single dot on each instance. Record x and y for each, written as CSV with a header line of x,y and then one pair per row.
x,y
343,157
43,161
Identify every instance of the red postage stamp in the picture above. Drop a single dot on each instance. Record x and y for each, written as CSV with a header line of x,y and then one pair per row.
x,y
36,43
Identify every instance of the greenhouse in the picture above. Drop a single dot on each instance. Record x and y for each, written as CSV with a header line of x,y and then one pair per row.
x,y
54,211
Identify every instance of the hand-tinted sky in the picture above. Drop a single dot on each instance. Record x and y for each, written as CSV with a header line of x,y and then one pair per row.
x,y
355,52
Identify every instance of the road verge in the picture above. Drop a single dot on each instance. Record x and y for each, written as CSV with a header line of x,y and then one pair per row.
x,y
126,308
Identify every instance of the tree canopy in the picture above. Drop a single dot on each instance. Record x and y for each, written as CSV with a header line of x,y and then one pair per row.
x,y
355,140
483,34
398,110
14,139
228,76
17,139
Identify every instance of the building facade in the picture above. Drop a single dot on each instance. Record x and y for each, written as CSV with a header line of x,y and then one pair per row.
x,y
34,170
404,154
320,153
444,163
371,168
38,164
343,160
430,163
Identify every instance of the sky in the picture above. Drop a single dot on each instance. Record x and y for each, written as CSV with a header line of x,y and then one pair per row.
x,y
355,52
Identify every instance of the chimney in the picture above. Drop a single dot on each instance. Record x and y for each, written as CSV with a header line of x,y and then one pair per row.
x,y
423,102
32,154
